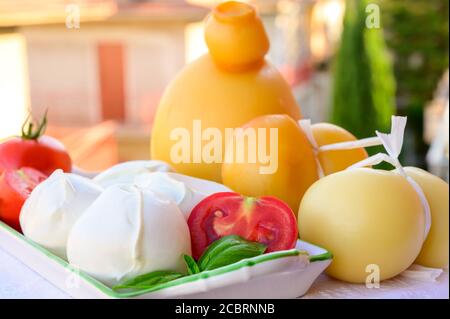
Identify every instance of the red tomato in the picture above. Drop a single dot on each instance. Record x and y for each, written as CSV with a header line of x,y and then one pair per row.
x,y
45,154
15,187
266,219
33,149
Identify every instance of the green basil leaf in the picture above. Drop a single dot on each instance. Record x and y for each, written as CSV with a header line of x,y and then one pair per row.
x,y
234,254
228,250
191,264
217,247
224,251
149,280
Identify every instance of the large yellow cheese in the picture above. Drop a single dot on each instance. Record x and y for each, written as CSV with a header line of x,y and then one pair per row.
x,y
365,217
435,249
225,88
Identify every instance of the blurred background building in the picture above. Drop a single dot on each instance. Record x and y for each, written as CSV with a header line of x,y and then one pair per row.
x,y
100,66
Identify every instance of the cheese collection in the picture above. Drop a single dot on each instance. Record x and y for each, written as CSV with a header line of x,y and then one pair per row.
x,y
294,180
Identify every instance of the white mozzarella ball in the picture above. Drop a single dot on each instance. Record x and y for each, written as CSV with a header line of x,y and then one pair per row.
x,y
128,232
54,206
126,172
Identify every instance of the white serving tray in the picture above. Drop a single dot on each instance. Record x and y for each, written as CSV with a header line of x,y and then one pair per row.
x,y
283,274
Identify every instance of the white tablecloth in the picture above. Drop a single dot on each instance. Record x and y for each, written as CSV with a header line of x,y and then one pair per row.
x,y
396,288
19,281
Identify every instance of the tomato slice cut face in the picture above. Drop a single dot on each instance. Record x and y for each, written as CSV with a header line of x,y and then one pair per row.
x,y
266,219
15,187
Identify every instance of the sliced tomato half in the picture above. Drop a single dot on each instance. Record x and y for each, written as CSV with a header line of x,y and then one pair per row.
x,y
266,219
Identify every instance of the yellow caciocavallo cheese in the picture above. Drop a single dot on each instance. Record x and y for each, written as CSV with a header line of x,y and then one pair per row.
x,y
225,88
376,220
435,249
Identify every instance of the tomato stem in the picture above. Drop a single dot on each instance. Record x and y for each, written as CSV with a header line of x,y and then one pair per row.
x,y
249,201
28,133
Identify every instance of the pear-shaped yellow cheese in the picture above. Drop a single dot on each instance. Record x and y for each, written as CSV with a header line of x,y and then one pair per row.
x,y
365,217
435,249
227,87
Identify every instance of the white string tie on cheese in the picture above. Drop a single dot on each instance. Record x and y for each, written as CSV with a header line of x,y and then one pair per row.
x,y
393,143
305,125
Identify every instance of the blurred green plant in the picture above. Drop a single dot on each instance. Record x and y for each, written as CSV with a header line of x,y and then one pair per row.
x,y
364,84
417,34
365,90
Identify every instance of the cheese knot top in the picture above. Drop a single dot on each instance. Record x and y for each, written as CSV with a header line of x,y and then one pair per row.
x,y
235,36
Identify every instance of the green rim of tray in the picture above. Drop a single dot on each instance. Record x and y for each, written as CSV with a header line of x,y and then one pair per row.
x,y
183,280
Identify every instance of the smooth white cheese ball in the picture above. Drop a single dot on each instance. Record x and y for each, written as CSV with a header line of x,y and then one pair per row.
x,y
54,206
128,232
185,191
126,172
